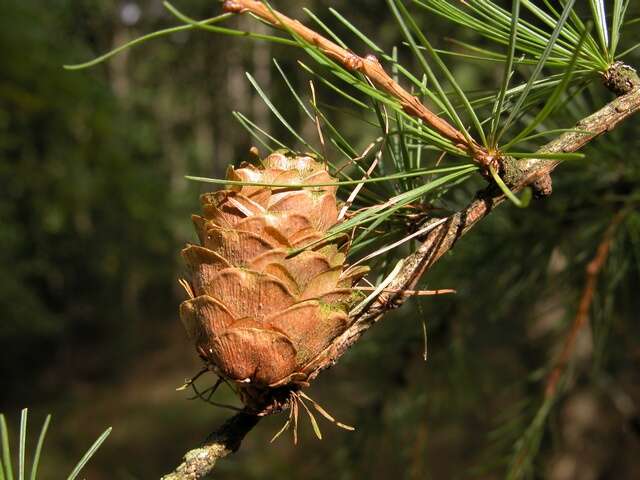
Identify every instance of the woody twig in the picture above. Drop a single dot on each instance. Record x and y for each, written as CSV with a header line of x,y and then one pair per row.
x,y
594,267
368,66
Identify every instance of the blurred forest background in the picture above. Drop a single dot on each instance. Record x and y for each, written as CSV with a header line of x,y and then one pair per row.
x,y
94,209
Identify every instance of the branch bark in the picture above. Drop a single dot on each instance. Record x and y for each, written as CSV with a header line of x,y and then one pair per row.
x,y
200,462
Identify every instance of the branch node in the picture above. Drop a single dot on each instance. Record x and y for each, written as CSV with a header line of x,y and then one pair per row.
x,y
542,186
353,62
621,78
231,6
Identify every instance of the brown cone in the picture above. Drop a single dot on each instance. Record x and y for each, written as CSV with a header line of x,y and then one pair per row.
x,y
259,315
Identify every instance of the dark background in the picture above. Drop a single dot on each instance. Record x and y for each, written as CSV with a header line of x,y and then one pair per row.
x,y
94,209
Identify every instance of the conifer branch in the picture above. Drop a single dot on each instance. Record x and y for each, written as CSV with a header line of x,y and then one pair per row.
x,y
533,172
368,66
199,462
586,299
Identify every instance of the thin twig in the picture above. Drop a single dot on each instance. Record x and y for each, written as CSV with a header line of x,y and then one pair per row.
x,y
356,190
209,392
403,240
368,66
417,293
582,315
200,462
317,120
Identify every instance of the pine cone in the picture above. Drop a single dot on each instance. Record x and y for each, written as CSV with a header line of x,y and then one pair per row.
x,y
260,313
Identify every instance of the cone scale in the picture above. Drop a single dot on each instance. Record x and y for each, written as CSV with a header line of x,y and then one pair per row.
x,y
268,290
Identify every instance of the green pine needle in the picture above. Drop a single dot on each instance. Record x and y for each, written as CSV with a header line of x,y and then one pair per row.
x,y
537,70
6,449
22,443
38,452
87,456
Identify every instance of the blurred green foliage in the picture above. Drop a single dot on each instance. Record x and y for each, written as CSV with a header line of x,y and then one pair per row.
x,y
85,232
94,209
